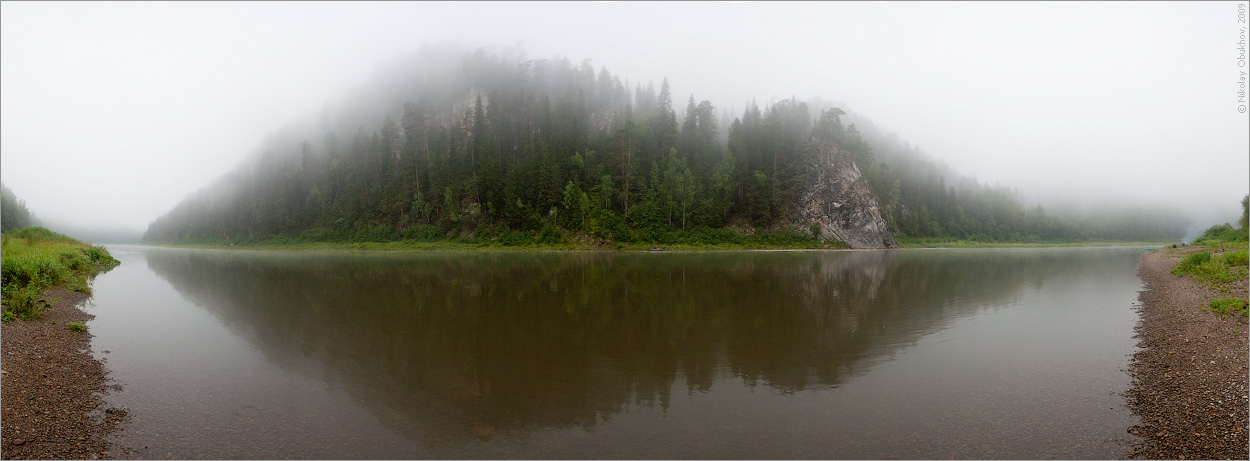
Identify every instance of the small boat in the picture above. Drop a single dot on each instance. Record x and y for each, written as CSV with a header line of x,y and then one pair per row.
x,y
657,249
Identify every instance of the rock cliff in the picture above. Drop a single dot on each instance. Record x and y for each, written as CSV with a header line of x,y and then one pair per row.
x,y
839,199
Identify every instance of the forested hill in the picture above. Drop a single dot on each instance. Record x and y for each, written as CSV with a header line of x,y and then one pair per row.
x,y
501,149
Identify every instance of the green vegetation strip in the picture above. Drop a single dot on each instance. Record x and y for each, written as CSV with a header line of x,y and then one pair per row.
x,y
1217,270
1227,306
503,238
34,259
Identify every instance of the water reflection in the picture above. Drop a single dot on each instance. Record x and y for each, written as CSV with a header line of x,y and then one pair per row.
x,y
449,348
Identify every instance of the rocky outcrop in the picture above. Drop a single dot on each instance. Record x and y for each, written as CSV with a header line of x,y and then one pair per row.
x,y
839,199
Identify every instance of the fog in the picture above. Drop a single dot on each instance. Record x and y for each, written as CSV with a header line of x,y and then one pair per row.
x,y
111,113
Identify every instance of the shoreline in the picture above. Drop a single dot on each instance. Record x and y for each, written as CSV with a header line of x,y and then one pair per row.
x,y
52,387
404,246
1190,374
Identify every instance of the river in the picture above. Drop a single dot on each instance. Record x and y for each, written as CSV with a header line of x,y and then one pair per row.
x,y
918,353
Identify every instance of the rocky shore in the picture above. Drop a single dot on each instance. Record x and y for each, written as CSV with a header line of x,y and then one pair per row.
x,y
1190,376
51,387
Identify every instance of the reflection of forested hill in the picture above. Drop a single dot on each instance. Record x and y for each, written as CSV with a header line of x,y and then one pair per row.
x,y
554,340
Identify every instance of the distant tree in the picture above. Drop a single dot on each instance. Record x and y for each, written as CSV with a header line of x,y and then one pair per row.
x,y
13,212
1245,211
576,205
665,120
420,208
722,183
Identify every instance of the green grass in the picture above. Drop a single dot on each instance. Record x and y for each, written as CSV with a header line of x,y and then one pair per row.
x,y
79,284
40,234
1217,270
1229,306
76,326
33,259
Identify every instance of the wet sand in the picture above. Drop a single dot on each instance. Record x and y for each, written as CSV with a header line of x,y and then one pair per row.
x,y
50,405
1189,378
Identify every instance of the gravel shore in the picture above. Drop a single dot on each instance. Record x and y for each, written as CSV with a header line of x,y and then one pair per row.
x,y
50,405
1189,377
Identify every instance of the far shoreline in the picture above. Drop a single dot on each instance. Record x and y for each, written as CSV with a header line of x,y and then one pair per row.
x,y
401,246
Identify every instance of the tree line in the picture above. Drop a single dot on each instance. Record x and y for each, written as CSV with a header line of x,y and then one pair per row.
x,y
518,151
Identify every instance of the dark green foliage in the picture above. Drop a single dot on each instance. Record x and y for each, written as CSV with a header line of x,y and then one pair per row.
x,y
23,303
98,256
1245,212
13,212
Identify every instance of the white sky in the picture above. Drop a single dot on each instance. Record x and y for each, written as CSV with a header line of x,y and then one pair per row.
x,y
110,113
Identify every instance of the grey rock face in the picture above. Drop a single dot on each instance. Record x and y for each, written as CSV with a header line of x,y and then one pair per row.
x,y
839,199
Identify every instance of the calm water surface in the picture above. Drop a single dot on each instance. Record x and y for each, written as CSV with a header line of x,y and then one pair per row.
x,y
979,353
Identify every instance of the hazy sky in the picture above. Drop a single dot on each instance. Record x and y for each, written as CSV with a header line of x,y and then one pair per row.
x,y
111,113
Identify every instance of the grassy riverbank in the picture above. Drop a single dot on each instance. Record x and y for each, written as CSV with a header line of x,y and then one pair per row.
x,y
52,383
34,259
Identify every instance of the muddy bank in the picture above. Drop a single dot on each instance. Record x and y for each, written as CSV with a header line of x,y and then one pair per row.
x,y
1190,376
50,406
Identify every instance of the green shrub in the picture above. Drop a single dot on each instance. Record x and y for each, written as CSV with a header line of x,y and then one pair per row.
x,y
1237,258
23,302
97,255
1214,269
784,237
549,235
73,260
1226,306
79,284
31,269
76,326
1191,262
424,233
